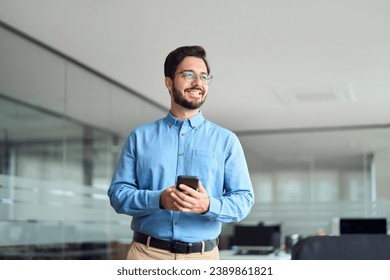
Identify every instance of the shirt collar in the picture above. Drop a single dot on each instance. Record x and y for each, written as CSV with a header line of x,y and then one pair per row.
x,y
195,121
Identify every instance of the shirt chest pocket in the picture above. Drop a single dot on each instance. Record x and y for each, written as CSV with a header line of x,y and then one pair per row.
x,y
206,164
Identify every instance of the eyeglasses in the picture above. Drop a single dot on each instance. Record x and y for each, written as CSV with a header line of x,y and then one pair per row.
x,y
190,76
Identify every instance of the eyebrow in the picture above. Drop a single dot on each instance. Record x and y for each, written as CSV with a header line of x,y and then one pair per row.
x,y
189,70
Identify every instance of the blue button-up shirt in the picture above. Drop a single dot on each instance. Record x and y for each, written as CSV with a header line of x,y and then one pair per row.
x,y
152,158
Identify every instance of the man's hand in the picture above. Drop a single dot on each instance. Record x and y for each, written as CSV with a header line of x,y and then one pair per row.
x,y
166,200
188,200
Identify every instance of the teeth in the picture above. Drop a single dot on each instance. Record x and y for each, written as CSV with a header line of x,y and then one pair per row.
x,y
194,92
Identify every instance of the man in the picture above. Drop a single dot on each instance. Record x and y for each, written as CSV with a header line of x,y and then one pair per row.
x,y
169,223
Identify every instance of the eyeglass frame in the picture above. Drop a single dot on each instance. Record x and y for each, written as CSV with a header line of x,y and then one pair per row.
x,y
187,79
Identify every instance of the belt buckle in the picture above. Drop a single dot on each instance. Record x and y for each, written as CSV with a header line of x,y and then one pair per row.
x,y
179,247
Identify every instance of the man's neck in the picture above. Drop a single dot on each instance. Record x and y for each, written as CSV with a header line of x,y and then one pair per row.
x,y
183,113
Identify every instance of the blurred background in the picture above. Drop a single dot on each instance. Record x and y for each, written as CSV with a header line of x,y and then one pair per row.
x,y
304,84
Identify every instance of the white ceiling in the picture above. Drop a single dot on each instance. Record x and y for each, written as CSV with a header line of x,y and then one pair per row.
x,y
278,64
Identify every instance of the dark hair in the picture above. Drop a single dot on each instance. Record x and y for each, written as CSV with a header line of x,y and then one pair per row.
x,y
175,57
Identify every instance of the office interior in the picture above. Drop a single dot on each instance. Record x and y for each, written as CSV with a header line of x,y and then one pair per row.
x,y
59,145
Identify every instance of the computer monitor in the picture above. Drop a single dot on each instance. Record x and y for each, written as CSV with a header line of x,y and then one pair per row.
x,y
256,238
363,226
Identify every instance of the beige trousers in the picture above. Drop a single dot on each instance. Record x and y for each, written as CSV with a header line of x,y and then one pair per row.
x,y
139,251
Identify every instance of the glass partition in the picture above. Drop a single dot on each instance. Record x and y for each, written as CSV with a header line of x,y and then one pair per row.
x,y
61,129
306,180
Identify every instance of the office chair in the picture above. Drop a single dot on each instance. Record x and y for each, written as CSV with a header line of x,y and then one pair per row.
x,y
343,247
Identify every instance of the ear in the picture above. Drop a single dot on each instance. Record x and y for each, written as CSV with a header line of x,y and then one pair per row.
x,y
168,83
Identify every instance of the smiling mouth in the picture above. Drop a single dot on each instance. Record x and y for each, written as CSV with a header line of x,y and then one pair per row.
x,y
194,91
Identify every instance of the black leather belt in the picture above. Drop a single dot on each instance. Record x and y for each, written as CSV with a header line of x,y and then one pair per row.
x,y
177,247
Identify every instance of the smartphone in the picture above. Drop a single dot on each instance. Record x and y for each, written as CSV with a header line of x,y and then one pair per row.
x,y
191,181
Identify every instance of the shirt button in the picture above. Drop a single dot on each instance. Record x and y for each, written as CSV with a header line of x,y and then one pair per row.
x,y
182,134
181,154
176,223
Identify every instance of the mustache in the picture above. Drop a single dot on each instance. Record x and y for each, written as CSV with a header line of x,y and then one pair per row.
x,y
195,88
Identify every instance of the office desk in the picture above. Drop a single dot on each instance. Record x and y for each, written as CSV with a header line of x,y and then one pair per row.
x,y
230,255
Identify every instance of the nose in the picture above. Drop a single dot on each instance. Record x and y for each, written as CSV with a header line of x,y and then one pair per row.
x,y
197,81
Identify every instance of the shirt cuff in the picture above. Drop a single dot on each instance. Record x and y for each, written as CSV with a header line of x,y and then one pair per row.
x,y
214,209
154,199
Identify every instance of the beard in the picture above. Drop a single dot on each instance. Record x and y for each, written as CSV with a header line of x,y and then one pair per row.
x,y
180,100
